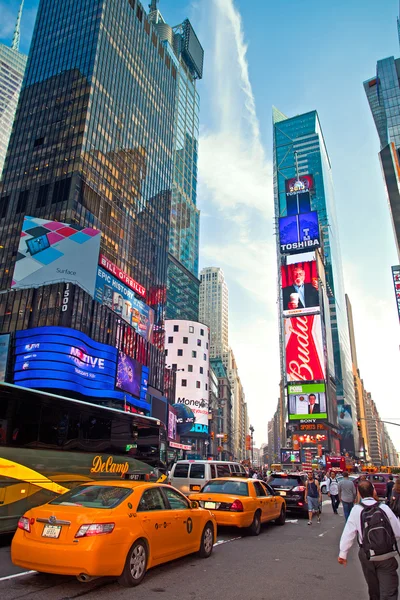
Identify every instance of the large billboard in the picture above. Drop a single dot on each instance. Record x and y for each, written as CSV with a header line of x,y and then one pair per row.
x,y
120,298
396,283
66,359
307,401
299,185
129,374
300,288
304,348
345,422
299,233
290,456
50,252
298,194
4,346
121,275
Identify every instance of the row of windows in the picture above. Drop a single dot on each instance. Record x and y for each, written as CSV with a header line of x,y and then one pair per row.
x,y
191,329
198,384
185,340
180,353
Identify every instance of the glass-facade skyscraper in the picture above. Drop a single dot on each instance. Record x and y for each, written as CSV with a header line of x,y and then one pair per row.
x,y
299,149
183,260
383,94
93,145
12,69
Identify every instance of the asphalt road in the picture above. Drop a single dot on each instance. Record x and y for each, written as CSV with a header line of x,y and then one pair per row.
x,y
295,561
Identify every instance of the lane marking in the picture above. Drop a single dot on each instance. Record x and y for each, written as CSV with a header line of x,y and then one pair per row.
x,y
17,575
291,521
322,534
220,542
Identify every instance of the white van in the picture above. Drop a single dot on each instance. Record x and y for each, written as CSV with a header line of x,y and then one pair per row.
x,y
191,475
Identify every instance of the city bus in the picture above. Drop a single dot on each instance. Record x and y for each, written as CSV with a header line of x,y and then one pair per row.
x,y
49,444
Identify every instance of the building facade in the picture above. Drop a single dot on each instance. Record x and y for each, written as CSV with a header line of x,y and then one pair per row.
x,y
214,309
223,414
93,146
185,51
12,69
303,186
383,95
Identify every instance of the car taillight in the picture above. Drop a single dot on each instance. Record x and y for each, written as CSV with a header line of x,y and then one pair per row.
x,y
25,524
299,488
236,506
94,529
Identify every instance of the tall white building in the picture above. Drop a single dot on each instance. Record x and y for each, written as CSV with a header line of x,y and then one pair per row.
x,y
213,309
12,69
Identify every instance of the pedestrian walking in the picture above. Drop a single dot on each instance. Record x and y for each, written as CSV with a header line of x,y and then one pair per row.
x,y
347,494
395,498
389,488
314,498
333,491
377,530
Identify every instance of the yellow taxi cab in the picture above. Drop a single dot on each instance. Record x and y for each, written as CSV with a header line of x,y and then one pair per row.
x,y
112,528
242,502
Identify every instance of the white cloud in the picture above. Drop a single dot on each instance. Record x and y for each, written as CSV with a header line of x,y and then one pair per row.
x,y
235,185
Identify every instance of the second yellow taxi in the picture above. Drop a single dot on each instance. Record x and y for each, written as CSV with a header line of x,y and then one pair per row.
x,y
240,502
112,528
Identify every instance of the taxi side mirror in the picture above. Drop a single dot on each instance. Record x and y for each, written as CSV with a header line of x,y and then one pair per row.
x,y
194,504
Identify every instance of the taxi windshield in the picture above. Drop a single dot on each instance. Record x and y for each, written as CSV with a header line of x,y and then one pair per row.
x,y
94,496
233,488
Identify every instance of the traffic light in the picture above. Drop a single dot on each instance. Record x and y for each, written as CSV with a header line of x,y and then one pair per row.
x,y
212,435
225,438
359,425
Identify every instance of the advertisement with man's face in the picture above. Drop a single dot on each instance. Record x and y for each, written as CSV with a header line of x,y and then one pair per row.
x,y
300,294
307,401
304,349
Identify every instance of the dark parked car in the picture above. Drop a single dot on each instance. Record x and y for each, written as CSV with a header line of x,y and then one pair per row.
x,y
290,486
379,481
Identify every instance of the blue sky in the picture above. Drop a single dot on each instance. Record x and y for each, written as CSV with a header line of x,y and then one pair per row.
x,y
297,56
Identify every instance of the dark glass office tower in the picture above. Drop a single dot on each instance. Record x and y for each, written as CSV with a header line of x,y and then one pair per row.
x,y
300,151
92,143
185,51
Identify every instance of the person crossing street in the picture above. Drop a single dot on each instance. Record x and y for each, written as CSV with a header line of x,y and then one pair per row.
x,y
333,492
314,498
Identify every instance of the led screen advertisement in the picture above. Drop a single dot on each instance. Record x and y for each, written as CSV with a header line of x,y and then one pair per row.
x,y
4,347
396,283
345,422
129,374
304,348
50,252
300,288
111,292
307,401
299,233
172,424
65,359
290,456
299,185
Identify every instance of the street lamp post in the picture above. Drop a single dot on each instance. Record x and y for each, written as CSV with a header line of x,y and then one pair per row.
x,y
251,433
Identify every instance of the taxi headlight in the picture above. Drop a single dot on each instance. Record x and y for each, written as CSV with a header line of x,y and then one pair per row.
x,y
94,529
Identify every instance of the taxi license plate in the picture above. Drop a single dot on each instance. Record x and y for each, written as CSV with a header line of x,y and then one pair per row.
x,y
51,531
282,493
209,504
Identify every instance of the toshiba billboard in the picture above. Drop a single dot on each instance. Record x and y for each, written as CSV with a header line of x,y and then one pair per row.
x,y
304,349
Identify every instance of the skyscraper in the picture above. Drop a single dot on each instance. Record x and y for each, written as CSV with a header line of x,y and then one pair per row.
x,y
12,69
303,183
214,309
92,146
183,260
383,95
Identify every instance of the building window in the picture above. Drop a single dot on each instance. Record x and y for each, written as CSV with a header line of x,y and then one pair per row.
x,y
166,352
198,384
190,368
194,354
201,331
170,339
201,370
207,345
180,352
199,342
191,329
174,366
205,356
176,327
22,201
206,387
38,142
185,340
184,382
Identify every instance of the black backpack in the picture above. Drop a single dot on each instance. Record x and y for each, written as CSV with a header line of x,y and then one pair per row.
x,y
379,541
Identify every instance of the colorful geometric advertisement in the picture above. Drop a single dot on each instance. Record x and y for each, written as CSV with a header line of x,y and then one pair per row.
x,y
122,300
304,349
50,252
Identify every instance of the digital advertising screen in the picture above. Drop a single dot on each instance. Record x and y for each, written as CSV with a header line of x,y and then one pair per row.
x,y
396,283
345,422
299,185
304,350
307,401
51,252
172,424
129,374
299,233
66,359
290,456
111,292
4,348
193,49
300,294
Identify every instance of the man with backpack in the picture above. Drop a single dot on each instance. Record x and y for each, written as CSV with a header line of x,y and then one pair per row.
x,y
377,530
333,491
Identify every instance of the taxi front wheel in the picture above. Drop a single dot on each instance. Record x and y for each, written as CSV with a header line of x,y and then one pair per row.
x,y
207,541
135,565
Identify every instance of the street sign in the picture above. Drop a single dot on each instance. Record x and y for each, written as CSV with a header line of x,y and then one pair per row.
x,y
220,435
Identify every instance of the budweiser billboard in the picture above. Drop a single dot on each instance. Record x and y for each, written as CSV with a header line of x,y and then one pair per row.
x,y
304,349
